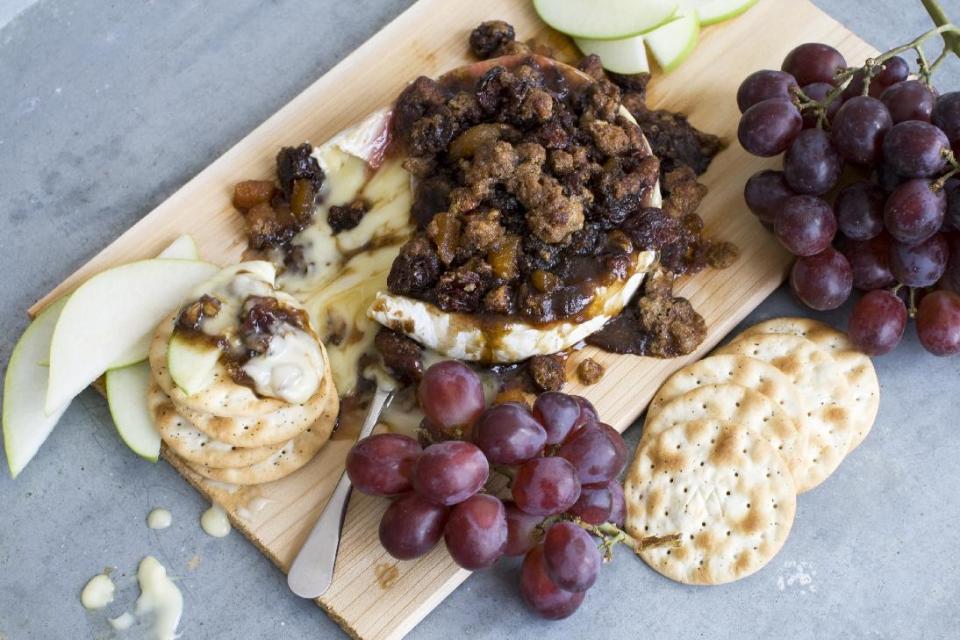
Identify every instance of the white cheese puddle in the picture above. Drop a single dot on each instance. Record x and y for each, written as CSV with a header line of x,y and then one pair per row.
x,y
256,505
98,592
159,518
160,598
215,522
290,369
122,622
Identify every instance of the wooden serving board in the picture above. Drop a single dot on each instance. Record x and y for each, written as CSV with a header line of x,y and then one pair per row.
x,y
374,596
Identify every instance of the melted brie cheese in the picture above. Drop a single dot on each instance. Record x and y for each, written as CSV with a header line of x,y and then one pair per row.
x,y
291,369
465,337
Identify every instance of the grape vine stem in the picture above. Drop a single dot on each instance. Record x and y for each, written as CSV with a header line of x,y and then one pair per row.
x,y
951,39
610,535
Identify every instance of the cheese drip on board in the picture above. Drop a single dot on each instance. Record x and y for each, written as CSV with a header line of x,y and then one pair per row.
x,y
345,271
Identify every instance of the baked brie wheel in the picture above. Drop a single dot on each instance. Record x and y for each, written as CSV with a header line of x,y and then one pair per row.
x,y
552,144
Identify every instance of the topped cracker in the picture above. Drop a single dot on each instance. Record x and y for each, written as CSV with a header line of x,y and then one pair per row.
x,y
723,488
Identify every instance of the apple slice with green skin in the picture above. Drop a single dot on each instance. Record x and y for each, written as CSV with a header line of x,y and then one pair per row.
x,y
191,362
605,19
714,11
25,423
127,396
673,43
183,248
110,313
627,56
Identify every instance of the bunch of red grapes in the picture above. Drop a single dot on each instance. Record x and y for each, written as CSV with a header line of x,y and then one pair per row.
x,y
563,463
866,198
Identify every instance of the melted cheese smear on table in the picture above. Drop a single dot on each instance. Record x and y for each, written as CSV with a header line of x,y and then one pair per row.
x,y
160,600
159,518
98,592
214,522
345,271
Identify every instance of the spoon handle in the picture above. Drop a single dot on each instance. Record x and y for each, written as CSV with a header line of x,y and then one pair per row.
x,y
311,573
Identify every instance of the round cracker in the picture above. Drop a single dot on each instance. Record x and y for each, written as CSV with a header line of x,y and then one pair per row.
x,y
292,455
273,428
738,405
723,488
751,373
193,445
857,366
822,388
222,397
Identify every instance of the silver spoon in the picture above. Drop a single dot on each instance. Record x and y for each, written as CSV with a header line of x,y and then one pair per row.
x,y
311,573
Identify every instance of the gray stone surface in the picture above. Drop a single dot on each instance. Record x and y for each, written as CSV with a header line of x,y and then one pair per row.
x,y
106,108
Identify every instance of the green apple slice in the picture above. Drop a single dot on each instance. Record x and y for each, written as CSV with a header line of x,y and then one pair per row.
x,y
127,397
191,362
25,423
672,43
627,56
183,248
714,11
605,19
109,314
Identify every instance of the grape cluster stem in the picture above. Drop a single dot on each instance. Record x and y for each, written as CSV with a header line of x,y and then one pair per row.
x,y
611,535
944,28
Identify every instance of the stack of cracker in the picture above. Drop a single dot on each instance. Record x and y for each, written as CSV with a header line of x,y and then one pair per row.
x,y
730,441
228,433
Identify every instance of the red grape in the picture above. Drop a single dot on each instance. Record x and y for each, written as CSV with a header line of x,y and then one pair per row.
x,y
938,323
558,413
540,593
818,91
811,164
806,225
762,85
597,451
599,503
381,465
887,178
822,281
915,149
914,211
767,128
765,194
859,128
411,526
451,395
946,115
952,218
859,208
814,62
921,264
546,486
450,472
893,70
870,262
521,530
588,413
877,322
909,100
508,434
476,532
952,275
571,557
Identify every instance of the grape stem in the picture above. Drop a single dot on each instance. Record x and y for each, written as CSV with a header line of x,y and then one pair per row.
x,y
951,39
874,65
611,535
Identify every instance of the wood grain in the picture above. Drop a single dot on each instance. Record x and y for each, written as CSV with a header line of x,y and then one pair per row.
x,y
374,596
